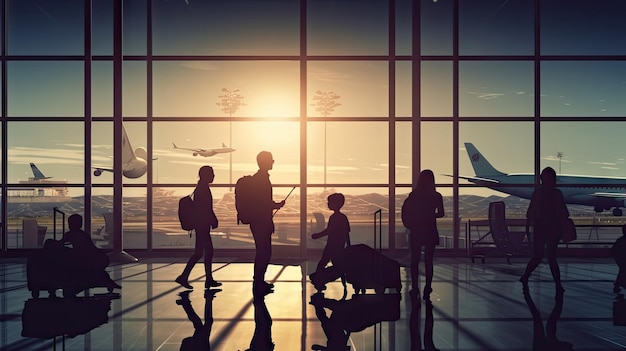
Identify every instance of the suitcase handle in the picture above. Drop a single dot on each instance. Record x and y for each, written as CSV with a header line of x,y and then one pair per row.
x,y
378,214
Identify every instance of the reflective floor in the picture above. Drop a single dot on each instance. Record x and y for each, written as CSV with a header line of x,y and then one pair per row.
x,y
474,307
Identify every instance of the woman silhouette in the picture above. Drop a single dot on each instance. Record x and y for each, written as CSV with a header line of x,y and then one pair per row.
x,y
546,211
428,207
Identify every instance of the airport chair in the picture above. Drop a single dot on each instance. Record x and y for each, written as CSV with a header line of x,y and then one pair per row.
x,y
33,233
104,234
504,241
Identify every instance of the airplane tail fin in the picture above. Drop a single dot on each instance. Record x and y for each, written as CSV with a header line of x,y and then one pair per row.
x,y
224,145
37,174
128,154
481,166
175,147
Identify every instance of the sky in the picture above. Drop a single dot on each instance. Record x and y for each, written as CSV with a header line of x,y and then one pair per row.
x,y
354,152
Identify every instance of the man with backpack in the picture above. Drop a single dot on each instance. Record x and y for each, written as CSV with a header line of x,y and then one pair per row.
x,y
261,222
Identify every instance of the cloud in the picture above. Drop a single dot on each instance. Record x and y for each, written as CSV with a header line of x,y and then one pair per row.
x,y
486,96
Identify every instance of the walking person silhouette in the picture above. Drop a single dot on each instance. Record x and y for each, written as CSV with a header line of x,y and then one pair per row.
x,y
262,222
546,211
204,220
425,205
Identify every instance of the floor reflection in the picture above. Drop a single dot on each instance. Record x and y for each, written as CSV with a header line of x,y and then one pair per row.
x,y
47,318
546,341
353,315
199,341
416,321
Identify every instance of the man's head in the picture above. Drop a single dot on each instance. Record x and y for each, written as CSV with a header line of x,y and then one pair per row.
x,y
265,160
75,221
206,174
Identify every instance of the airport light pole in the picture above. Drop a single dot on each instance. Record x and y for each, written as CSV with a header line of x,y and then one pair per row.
x,y
325,103
559,155
230,102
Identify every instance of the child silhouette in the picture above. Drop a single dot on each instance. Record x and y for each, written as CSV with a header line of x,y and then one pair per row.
x,y
338,232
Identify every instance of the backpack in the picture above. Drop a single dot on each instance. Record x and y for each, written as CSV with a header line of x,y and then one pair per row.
x,y
245,199
186,212
409,207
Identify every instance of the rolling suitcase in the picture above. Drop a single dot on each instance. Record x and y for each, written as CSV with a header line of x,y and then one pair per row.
x,y
366,268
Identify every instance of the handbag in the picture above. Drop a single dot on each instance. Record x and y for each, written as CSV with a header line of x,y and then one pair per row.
x,y
568,230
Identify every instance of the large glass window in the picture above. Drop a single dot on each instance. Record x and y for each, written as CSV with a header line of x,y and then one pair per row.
x,y
333,99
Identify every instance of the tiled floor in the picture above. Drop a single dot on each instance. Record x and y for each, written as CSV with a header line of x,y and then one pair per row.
x,y
474,307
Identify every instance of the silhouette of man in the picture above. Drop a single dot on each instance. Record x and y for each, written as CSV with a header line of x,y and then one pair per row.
x,y
87,259
262,225
618,251
204,221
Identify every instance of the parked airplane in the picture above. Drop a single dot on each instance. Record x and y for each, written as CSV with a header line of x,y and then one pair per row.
x,y
603,193
134,163
207,152
37,174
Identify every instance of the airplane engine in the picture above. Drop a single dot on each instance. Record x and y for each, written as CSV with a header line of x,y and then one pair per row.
x,y
141,153
195,154
97,172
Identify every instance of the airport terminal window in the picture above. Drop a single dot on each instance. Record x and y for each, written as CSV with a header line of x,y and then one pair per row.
x,y
339,28
173,88
404,100
102,89
436,27
563,34
490,27
45,27
436,154
496,88
371,99
508,146
348,152
403,163
134,99
198,88
583,88
436,88
561,143
45,89
237,27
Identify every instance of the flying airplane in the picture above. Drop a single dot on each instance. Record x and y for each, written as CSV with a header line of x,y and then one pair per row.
x,y
207,152
602,193
37,174
134,163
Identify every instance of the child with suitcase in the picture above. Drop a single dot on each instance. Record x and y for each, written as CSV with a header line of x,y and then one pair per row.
x,y
338,232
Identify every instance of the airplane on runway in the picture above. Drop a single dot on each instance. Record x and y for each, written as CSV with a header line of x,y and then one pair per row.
x,y
134,163
207,152
602,193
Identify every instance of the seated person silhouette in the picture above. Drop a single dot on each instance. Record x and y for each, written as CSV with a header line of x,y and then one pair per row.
x,y
86,263
338,232
618,251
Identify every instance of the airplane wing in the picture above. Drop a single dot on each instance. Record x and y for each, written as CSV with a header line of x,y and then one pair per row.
x,y
189,149
609,195
476,179
98,170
